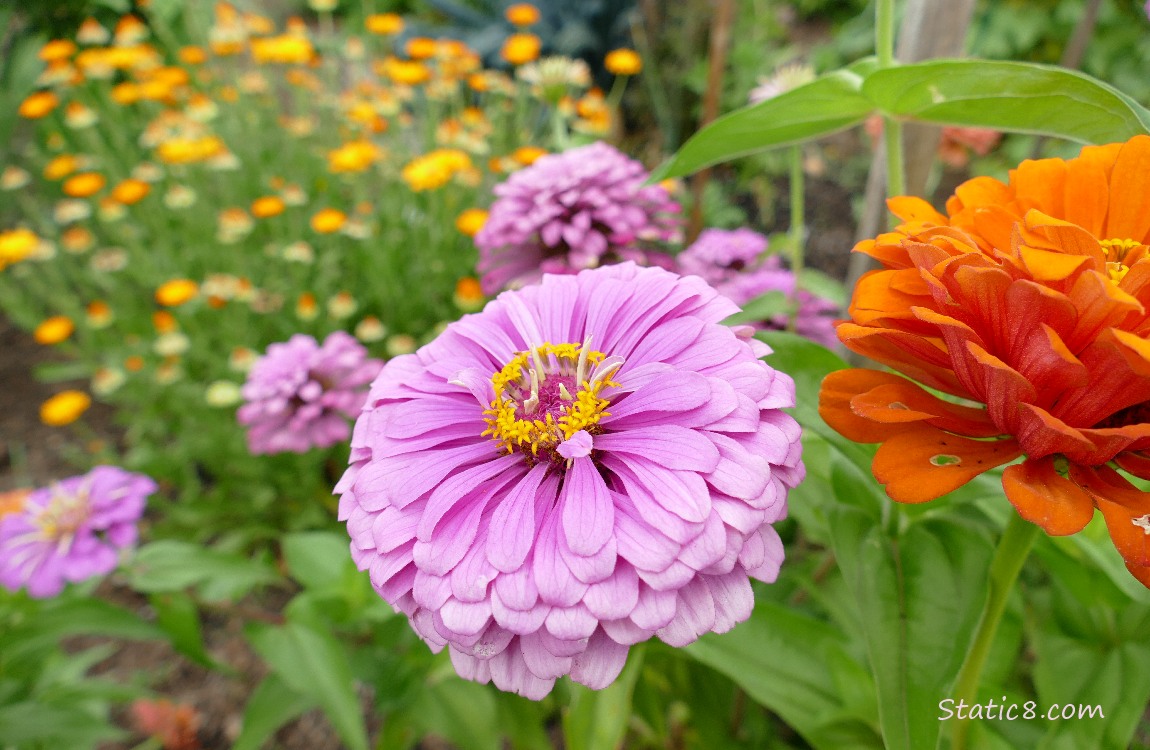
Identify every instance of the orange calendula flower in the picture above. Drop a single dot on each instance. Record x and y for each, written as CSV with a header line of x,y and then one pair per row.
x,y
623,62
528,155
38,104
61,166
328,220
13,501
53,330
522,14
519,49
176,292
267,206
469,294
420,48
1031,301
84,185
384,24
471,221
64,408
16,245
287,49
57,50
130,191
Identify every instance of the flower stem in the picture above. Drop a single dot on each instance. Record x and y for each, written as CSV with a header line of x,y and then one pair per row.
x,y
1013,547
798,230
892,129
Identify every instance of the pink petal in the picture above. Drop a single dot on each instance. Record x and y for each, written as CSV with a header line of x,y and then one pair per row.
x,y
669,446
512,531
615,597
557,585
588,514
694,615
601,663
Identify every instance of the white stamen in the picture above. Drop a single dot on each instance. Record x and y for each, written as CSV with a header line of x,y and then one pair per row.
x,y
605,369
581,368
530,404
1142,522
564,393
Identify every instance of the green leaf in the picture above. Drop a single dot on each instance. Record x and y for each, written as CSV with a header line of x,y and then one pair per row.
x,y
823,285
31,724
315,665
170,565
524,722
67,616
597,720
917,597
763,307
1015,96
317,559
781,658
272,705
179,617
462,712
826,105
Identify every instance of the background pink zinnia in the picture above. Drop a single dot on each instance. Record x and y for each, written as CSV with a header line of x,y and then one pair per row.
x,y
585,464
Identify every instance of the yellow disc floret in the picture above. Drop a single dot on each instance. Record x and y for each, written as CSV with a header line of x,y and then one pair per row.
x,y
545,395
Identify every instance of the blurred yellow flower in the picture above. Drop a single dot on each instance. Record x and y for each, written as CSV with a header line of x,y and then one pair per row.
x,y
519,49
91,32
64,408
407,72
99,314
471,221
623,62
306,307
57,50
342,305
164,322
77,239
77,115
528,155
328,220
435,169
188,150
286,49
16,245
37,105
420,48
192,55
468,294
14,178
267,206
60,167
126,93
385,24
522,14
355,156
13,501
84,185
370,329
176,292
322,6
131,191
129,31
53,330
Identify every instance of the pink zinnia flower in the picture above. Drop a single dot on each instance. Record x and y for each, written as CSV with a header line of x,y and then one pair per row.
x,y
300,395
72,530
566,212
583,465
732,261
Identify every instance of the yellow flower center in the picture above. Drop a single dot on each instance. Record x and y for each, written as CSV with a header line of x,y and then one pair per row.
x,y
1116,252
545,395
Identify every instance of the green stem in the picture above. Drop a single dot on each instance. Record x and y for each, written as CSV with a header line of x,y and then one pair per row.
x,y
892,129
884,33
798,230
1017,539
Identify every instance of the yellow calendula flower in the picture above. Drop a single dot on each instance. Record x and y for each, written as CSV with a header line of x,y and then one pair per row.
x,y
53,330
519,49
306,307
192,55
469,294
61,166
406,72
64,408
77,239
420,48
384,24
91,32
285,49
471,221
189,150
522,14
267,206
130,191
328,220
355,156
623,62
528,155
99,314
176,292
84,185
57,50
37,105
435,169
16,245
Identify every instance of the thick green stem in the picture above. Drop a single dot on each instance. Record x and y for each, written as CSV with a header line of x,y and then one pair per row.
x,y
1012,551
798,230
892,129
884,33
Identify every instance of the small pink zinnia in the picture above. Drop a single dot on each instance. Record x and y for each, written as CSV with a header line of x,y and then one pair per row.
x,y
580,209
300,395
732,261
72,530
585,464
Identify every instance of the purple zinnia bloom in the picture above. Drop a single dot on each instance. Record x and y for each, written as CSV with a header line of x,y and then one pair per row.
x,y
72,530
732,261
580,209
300,394
585,464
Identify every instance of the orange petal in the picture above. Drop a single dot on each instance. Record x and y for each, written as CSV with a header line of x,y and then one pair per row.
x,y
924,463
1134,462
1047,232
1129,186
1125,508
1047,265
1038,184
906,402
835,394
921,358
1086,195
910,208
1042,434
1044,497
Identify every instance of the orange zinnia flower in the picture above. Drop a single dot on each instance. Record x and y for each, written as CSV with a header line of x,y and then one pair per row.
x,y
1031,298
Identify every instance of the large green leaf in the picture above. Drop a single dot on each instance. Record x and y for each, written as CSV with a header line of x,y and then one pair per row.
x,y
317,559
823,106
798,667
272,705
918,597
463,712
178,615
315,665
1015,96
170,565
36,724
